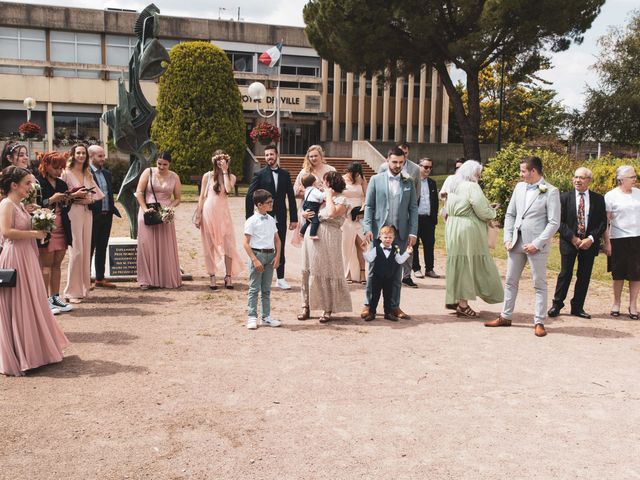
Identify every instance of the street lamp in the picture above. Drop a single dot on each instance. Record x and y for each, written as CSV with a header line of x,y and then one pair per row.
x,y
29,103
257,91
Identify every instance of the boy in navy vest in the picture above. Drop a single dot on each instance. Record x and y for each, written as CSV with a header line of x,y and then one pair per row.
x,y
387,260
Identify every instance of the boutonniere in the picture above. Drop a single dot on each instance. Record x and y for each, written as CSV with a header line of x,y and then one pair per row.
x,y
396,250
404,177
543,188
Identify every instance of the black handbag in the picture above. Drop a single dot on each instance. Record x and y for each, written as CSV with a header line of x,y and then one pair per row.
x,y
153,218
8,277
356,212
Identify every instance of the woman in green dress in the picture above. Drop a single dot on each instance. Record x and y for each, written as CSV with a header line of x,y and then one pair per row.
x,y
471,271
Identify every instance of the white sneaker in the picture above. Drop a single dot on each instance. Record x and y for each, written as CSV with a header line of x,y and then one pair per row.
x,y
271,322
418,274
55,310
56,301
252,323
282,284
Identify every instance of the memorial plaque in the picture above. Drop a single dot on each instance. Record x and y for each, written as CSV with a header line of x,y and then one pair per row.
x,y
123,260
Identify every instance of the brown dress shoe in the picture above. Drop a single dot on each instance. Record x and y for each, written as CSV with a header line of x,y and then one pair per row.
x,y
498,322
391,316
105,284
396,312
539,330
365,312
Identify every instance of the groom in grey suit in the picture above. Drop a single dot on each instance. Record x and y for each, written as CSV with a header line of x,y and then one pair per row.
x,y
532,218
391,200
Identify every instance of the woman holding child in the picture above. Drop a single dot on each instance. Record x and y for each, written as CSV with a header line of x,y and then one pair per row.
x,y
323,283
213,218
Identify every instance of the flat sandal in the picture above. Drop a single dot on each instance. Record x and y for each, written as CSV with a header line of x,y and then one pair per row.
x,y
466,312
305,314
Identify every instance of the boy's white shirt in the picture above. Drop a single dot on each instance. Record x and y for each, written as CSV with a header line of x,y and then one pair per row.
x,y
313,194
262,229
371,255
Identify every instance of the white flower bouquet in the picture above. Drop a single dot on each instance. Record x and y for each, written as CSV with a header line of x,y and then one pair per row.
x,y
43,219
167,214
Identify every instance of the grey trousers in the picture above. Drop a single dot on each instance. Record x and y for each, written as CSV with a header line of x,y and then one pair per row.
x,y
515,264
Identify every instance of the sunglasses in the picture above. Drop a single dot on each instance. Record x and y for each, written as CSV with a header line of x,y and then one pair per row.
x,y
426,167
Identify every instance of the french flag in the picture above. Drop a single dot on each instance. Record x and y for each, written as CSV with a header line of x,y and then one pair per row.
x,y
271,57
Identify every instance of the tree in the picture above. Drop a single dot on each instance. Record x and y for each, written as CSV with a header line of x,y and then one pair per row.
x,y
612,109
399,36
529,110
199,109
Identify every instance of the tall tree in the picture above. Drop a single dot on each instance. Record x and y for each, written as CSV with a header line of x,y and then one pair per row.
x,y
612,109
399,36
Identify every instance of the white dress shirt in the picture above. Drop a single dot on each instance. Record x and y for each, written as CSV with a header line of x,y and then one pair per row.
x,y
262,229
275,178
371,255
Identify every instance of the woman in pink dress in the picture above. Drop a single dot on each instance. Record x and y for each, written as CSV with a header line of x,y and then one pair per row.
x,y
29,335
158,263
213,218
354,193
315,164
80,181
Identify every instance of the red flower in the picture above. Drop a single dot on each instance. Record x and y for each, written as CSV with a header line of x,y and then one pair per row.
x,y
265,133
29,129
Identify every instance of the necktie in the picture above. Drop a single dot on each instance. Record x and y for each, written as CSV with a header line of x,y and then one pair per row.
x,y
581,226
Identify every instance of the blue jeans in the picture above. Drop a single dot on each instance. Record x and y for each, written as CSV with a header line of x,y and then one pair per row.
x,y
260,282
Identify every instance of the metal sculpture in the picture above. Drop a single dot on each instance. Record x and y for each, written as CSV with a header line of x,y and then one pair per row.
x,y
131,120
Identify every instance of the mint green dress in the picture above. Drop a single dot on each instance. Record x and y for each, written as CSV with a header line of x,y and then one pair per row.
x,y
471,271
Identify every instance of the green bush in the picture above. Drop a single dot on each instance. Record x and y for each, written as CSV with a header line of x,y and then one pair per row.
x,y
604,171
199,109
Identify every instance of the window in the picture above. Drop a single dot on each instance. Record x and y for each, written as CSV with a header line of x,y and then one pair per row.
x,y
300,65
119,50
73,47
241,62
70,128
22,44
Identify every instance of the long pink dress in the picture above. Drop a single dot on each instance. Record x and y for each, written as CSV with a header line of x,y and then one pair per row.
x,y
158,263
79,270
217,232
354,195
29,335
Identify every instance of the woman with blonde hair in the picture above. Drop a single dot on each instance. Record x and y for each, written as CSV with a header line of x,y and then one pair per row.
x,y
84,190
213,218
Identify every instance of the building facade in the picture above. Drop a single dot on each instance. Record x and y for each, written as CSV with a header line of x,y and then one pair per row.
x,y
69,60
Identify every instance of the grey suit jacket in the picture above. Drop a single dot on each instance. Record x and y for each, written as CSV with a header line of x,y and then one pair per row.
x,y
376,207
536,222
413,170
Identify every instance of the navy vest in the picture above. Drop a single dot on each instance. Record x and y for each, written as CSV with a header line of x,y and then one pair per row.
x,y
384,267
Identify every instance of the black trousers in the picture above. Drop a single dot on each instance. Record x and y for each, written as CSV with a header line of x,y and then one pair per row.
x,y
385,286
282,233
99,241
583,277
426,233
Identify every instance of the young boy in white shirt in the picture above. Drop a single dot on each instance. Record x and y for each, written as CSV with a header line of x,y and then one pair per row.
x,y
262,244
386,259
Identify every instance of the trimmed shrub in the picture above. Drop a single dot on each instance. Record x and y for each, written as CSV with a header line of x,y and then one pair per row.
x,y
604,171
199,109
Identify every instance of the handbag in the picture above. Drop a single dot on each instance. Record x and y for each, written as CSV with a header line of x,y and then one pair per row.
x,y
356,212
153,218
8,277
492,234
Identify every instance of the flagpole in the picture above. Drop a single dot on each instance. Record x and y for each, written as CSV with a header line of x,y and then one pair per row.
x,y
278,100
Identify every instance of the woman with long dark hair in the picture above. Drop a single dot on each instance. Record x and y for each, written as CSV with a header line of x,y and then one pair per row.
x,y
213,218
354,192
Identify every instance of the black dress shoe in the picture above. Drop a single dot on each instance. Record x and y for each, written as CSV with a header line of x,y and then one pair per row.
x,y
554,311
581,314
409,283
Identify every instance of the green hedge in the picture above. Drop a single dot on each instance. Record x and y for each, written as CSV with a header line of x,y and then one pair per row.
x,y
501,172
199,109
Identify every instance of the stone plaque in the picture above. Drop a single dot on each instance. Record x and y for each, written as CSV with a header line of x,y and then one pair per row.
x,y
122,261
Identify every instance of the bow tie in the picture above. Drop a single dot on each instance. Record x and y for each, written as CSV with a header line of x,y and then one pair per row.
x,y
532,187
388,249
275,170
264,217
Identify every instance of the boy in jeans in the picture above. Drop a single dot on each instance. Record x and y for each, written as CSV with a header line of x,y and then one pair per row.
x,y
262,244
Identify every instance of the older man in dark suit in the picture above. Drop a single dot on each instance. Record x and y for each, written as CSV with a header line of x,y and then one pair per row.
x,y
277,182
103,212
583,222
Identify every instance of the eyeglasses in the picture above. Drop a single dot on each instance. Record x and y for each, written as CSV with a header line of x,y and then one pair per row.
x,y
635,177
426,167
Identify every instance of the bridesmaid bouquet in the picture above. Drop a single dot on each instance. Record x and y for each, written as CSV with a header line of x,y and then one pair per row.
x,y
167,214
34,194
43,219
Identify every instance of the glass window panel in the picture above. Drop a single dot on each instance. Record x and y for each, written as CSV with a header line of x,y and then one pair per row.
x,y
8,48
32,50
118,56
31,71
63,52
88,38
57,72
298,60
57,36
11,70
89,54
8,32
88,74
32,34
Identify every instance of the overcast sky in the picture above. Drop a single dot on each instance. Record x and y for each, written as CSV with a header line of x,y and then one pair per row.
x,y
569,75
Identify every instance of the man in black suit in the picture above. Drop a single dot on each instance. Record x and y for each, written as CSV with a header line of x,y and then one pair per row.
x,y
277,182
103,212
427,220
583,222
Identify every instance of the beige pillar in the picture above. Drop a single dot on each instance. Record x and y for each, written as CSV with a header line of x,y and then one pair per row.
x,y
410,82
373,122
323,98
335,114
50,131
348,118
434,103
362,90
444,130
421,103
397,117
386,100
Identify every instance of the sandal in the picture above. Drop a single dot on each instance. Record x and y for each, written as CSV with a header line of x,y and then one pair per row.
x,y
227,282
212,282
325,317
615,313
633,316
304,314
465,312
451,306
363,277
